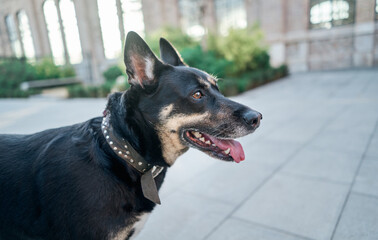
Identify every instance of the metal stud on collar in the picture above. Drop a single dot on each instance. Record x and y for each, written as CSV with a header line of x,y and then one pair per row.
x,y
124,150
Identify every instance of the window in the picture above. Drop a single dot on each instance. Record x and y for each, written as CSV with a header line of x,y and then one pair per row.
x,y
132,16
191,17
13,36
71,31
230,14
25,34
111,36
329,13
376,9
54,32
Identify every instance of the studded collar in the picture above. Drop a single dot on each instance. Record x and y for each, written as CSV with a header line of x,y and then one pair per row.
x,y
124,150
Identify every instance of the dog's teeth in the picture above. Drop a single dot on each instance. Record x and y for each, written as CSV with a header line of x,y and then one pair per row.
x,y
227,151
208,142
202,139
197,134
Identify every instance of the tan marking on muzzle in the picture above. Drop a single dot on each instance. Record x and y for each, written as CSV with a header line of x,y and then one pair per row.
x,y
169,132
165,112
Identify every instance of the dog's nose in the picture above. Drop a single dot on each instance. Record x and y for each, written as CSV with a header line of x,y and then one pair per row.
x,y
252,118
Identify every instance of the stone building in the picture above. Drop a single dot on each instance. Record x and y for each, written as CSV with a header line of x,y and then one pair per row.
x,y
305,34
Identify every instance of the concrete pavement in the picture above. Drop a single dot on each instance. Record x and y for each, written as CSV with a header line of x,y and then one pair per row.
x,y
310,170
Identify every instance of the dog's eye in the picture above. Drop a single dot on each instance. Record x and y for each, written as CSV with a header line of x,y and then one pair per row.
x,y
197,95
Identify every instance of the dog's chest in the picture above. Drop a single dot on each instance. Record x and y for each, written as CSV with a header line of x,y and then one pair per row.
x,y
136,227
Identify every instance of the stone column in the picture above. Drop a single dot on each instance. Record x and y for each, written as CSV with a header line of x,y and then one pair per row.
x,y
66,55
91,40
152,13
253,8
159,13
30,13
273,23
17,25
6,49
120,20
171,13
296,40
38,28
364,31
209,18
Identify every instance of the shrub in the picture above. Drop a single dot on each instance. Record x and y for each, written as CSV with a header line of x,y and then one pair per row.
x,y
249,80
67,71
81,91
206,61
112,73
243,47
46,69
12,73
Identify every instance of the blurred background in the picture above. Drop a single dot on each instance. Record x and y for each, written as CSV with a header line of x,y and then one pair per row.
x,y
80,42
309,66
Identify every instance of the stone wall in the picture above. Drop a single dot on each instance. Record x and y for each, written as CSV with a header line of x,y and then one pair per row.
x,y
285,23
286,26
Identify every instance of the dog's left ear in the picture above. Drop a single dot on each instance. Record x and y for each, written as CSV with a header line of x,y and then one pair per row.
x,y
141,63
169,54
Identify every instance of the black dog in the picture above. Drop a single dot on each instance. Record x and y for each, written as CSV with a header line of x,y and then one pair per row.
x,y
96,180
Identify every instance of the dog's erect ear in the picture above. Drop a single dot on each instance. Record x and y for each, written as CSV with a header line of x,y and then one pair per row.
x,y
169,54
141,63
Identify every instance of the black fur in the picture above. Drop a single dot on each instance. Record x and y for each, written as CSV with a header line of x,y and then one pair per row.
x,y
67,183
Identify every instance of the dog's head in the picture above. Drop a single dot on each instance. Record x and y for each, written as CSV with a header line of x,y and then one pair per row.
x,y
183,105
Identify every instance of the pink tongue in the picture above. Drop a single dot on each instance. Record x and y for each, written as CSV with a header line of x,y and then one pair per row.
x,y
237,152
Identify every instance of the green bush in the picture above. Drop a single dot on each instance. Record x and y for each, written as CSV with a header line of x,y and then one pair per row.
x,y
67,71
206,61
243,47
112,73
249,80
12,73
81,91
46,69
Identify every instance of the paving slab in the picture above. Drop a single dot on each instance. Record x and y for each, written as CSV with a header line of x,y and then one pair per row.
x,y
297,205
184,216
372,150
341,141
359,220
40,114
229,182
367,178
324,164
271,153
186,169
237,229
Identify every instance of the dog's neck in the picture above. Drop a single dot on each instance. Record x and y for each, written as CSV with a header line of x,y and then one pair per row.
x,y
129,123
122,148
125,151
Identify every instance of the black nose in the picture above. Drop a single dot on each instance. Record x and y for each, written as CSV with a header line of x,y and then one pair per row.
x,y
252,118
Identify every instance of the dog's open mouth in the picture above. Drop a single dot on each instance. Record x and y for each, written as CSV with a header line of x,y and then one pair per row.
x,y
224,149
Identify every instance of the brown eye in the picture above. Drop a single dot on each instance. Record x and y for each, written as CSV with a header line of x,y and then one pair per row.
x,y
197,95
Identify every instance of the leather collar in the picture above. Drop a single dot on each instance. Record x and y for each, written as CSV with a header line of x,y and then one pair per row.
x,y
124,150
